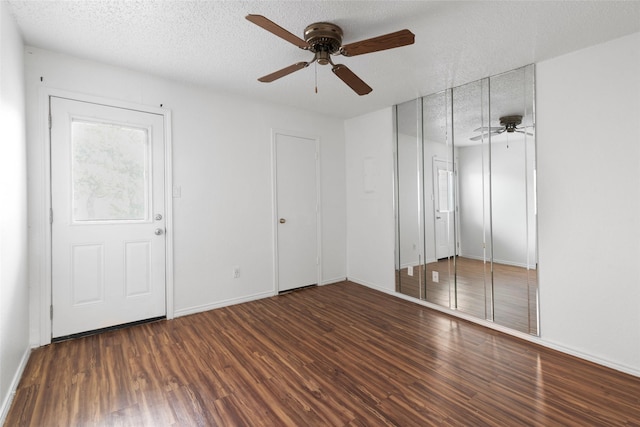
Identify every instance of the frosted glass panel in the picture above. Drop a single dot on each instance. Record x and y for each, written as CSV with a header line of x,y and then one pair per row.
x,y
110,172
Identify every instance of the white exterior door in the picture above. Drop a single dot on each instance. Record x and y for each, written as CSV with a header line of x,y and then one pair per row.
x,y
108,209
296,211
444,208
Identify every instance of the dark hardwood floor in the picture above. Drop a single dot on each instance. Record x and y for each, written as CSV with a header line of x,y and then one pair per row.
x,y
336,355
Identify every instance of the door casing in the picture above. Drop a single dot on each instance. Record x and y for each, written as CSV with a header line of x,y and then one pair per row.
x,y
274,192
45,94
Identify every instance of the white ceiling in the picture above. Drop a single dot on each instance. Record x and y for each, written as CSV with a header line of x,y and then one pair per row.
x,y
211,44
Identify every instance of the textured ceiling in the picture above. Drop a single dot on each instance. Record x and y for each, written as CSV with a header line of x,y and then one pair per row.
x,y
210,43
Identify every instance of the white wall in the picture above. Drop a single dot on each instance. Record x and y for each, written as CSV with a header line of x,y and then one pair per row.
x,y
370,217
588,142
588,134
14,291
221,161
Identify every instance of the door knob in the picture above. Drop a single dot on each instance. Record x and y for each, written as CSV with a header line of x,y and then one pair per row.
x,y
282,220
158,231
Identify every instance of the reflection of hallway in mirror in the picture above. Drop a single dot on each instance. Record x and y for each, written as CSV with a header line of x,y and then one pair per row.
x,y
515,290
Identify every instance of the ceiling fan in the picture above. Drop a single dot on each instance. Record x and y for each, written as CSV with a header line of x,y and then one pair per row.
x,y
508,124
324,39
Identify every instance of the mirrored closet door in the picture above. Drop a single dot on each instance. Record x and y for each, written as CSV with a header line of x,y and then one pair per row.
x,y
465,200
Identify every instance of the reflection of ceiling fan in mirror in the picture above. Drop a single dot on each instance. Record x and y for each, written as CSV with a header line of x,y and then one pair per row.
x,y
508,124
325,39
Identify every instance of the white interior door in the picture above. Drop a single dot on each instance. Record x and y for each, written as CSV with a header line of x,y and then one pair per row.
x,y
107,197
444,208
297,211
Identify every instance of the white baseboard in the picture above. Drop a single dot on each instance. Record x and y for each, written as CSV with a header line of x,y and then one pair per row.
x,y
331,281
498,261
372,285
223,303
524,336
234,301
6,403
597,360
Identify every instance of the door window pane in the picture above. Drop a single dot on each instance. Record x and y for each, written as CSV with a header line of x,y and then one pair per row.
x,y
110,172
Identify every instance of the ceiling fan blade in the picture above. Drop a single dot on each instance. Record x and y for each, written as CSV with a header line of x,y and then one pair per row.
x,y
477,138
281,73
276,29
526,133
485,135
375,44
487,129
353,81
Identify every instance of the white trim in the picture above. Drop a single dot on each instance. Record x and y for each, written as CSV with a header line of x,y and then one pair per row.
x,y
45,283
8,399
274,192
332,281
508,331
497,261
168,215
45,93
224,303
274,213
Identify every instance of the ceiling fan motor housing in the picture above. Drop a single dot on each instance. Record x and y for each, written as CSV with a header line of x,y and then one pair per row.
x,y
324,39
510,123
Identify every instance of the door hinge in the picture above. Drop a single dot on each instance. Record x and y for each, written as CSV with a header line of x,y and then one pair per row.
x,y
51,312
50,120
50,216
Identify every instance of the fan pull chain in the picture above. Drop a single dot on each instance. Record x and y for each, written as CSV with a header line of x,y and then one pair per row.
x,y
315,67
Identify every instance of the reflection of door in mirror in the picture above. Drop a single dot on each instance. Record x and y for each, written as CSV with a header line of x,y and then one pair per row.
x,y
444,206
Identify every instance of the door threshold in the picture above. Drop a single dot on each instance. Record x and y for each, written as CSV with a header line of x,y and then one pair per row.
x,y
301,288
107,329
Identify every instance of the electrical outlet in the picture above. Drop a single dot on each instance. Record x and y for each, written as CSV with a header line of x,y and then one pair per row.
x,y
410,270
435,276
236,272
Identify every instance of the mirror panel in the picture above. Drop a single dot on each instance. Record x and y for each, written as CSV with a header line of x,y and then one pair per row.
x,y
439,199
465,199
512,201
473,264
409,222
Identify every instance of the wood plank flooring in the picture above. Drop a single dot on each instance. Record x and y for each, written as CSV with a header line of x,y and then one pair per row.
x,y
336,355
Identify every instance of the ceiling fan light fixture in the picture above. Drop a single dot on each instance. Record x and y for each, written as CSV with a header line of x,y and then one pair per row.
x,y
325,39
323,57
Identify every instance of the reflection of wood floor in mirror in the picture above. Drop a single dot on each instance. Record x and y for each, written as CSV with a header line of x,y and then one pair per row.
x,y
514,290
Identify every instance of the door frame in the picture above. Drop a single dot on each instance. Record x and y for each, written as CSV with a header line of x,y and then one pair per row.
x,y
274,204
46,284
453,224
